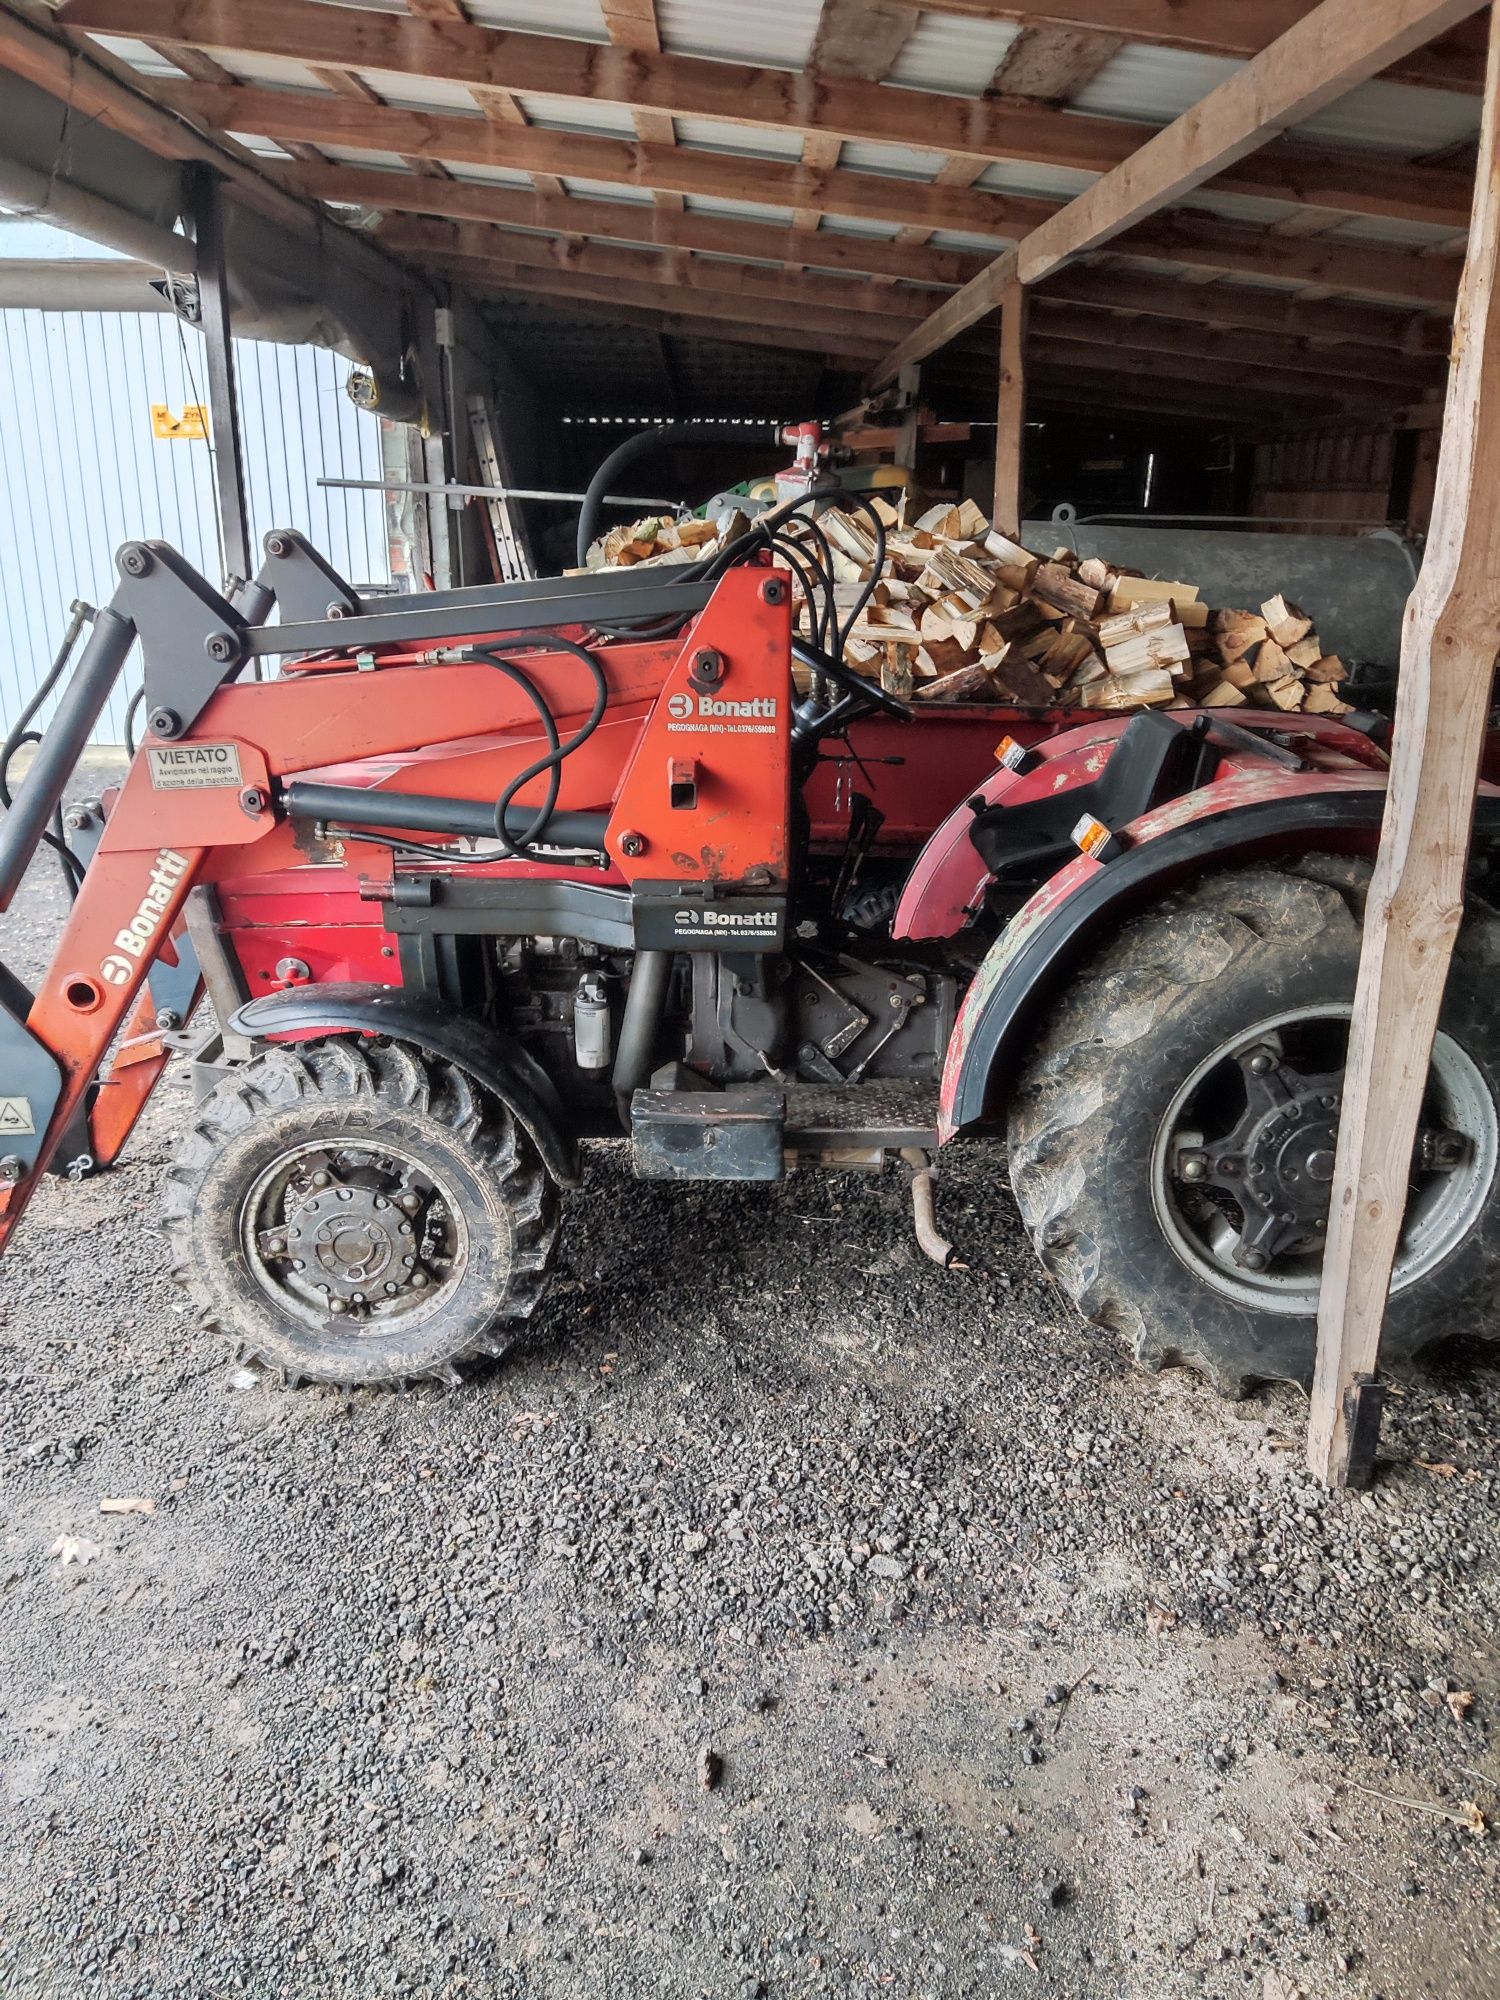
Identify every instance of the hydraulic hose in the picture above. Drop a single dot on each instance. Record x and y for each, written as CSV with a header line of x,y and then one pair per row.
x,y
637,446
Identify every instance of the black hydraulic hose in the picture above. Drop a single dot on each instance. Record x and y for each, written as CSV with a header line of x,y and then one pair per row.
x,y
558,752
634,447
544,715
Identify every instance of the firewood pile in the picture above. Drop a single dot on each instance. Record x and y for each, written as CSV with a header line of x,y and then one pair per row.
x,y
960,613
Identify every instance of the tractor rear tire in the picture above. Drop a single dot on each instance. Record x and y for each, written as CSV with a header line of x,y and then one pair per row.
x,y
1269,950
357,1212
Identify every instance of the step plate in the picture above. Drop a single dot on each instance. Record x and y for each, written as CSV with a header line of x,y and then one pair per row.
x,y
865,1119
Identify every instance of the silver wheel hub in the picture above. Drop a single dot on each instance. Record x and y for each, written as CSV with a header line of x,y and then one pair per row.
x,y
1242,1169
352,1234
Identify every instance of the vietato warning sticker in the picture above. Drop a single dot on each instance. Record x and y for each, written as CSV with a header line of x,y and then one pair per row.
x,y
194,767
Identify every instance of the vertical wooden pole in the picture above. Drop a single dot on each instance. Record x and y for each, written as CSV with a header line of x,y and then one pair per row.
x,y
1449,647
1010,432
909,382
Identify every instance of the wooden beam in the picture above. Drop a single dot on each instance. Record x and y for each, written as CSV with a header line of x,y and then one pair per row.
x,y
678,271
1317,61
1210,27
1010,429
988,128
1416,900
438,135
1368,270
485,217
1315,321
793,326
1339,44
1101,326
654,320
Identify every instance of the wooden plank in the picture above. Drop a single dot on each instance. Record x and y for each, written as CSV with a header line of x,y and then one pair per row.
x,y
1339,44
985,127
676,269
1317,61
1449,644
450,136
1315,321
1051,63
1010,430
503,209
1142,333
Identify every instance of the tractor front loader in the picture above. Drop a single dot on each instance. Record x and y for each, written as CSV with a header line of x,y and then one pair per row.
x,y
480,876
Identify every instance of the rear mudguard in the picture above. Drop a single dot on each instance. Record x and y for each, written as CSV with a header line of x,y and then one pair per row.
x,y
496,1062
1245,814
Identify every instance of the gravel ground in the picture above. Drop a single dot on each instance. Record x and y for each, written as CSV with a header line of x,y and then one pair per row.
x,y
789,1618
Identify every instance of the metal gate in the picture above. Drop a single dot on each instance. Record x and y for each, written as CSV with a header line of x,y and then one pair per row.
x,y
85,466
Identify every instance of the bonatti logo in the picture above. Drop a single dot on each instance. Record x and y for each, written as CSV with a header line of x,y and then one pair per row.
x,y
131,943
762,708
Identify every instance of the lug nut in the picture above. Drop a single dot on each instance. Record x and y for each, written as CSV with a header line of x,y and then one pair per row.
x,y
1194,1169
411,1201
320,1179
419,1279
1254,1260
336,1304
276,1247
1260,1064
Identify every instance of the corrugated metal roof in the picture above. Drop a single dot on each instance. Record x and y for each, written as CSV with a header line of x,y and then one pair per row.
x,y
1395,118
906,163
578,114
969,244
581,20
747,211
470,170
951,53
717,135
1039,183
860,225
1155,85
602,191
776,33
418,93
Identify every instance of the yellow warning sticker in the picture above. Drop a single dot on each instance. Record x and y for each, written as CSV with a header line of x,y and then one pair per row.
x,y
193,423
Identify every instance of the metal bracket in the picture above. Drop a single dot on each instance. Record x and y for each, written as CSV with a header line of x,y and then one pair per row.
x,y
192,639
1364,1403
31,1082
305,585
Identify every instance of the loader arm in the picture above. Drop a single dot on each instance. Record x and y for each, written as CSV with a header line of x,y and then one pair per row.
x,y
211,793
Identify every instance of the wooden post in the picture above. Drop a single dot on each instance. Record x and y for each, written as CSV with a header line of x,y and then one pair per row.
x,y
909,383
1448,653
1010,431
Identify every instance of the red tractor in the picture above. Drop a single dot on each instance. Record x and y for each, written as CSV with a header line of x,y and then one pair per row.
x,y
482,875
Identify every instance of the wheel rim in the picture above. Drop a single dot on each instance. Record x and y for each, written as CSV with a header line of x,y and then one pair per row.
x,y
1242,1163
350,1238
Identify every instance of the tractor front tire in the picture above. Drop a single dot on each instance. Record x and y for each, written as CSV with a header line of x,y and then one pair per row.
x,y
1213,1031
353,1211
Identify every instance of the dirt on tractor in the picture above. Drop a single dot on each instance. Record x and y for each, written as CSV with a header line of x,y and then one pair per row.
x,y
784,1617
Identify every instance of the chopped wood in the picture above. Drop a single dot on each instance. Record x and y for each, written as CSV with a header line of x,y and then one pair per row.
x,y
1223,694
1321,700
1271,663
1130,590
960,612
1286,622
1056,585
1330,669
